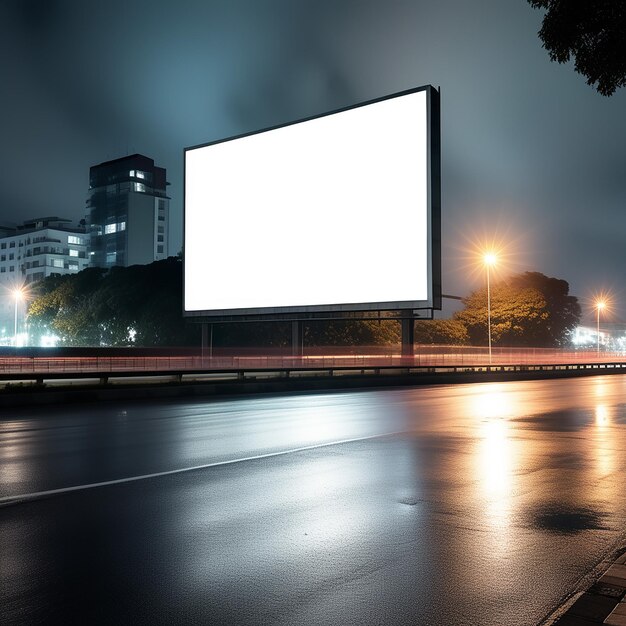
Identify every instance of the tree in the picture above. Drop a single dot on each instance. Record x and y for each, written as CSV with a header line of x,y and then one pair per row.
x,y
62,305
451,332
142,305
352,332
563,310
137,305
592,32
516,316
528,309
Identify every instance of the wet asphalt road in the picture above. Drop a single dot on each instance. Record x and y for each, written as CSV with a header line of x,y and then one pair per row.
x,y
478,504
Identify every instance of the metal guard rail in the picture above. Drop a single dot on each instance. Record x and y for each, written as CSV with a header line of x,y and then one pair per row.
x,y
263,373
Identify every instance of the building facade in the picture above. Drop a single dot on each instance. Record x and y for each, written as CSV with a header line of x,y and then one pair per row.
x,y
127,212
30,252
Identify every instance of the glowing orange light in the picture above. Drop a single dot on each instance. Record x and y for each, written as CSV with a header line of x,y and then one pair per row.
x,y
490,258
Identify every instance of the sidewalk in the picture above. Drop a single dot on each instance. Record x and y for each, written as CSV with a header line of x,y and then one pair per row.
x,y
603,603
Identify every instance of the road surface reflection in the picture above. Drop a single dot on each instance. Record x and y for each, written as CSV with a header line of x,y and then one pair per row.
x,y
468,504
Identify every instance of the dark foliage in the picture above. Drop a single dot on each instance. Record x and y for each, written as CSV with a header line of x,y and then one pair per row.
x,y
139,305
142,305
592,33
528,309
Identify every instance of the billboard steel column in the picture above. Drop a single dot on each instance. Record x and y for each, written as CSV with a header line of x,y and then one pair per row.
x,y
203,341
296,338
408,336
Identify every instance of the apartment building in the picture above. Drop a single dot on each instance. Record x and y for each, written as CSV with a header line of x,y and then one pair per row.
x,y
127,212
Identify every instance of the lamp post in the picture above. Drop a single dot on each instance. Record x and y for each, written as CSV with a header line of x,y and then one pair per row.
x,y
600,304
18,294
489,259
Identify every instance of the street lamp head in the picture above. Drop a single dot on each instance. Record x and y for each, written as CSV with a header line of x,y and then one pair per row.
x,y
600,304
489,258
18,293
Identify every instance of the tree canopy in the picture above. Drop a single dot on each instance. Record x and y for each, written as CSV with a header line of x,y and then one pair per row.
x,y
563,311
451,332
517,316
528,309
137,305
592,32
142,305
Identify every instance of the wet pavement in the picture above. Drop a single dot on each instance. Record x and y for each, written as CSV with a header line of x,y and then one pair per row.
x,y
483,504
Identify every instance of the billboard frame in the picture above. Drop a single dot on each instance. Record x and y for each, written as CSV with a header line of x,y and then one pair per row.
x,y
368,310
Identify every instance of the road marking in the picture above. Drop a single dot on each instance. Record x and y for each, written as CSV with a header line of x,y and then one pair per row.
x,y
37,495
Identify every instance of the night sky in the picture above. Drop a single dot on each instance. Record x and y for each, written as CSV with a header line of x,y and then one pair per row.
x,y
530,153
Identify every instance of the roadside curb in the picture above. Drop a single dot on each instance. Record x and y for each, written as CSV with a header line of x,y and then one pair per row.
x,y
602,603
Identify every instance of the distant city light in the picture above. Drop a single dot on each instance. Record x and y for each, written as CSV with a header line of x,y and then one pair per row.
x,y
48,341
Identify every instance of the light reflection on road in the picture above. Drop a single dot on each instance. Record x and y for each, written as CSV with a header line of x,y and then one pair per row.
x,y
487,505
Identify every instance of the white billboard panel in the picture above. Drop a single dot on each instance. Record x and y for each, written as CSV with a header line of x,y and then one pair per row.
x,y
332,213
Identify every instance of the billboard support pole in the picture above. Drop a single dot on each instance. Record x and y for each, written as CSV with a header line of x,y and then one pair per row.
x,y
296,336
408,336
203,341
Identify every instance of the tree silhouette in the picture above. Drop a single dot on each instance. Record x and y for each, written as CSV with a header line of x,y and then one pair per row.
x,y
141,305
528,309
592,32
451,332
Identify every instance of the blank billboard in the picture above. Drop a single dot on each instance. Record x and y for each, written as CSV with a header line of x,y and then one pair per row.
x,y
332,213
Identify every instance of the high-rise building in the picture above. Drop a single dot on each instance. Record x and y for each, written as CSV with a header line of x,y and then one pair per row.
x,y
30,252
127,212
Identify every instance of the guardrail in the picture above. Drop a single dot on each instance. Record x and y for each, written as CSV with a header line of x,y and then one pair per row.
x,y
188,375
426,356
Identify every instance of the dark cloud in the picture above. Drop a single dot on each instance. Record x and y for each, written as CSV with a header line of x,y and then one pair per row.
x,y
527,144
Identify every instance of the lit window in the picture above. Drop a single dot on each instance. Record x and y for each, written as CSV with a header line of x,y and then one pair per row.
x,y
57,262
141,174
73,252
77,241
110,228
131,173
111,257
121,226
139,187
73,266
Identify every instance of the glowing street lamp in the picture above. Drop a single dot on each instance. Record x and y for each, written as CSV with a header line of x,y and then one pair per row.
x,y
18,294
489,259
600,304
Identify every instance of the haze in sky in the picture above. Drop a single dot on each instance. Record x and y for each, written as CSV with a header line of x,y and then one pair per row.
x,y
530,153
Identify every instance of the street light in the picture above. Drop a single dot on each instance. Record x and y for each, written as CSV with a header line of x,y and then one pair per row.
x,y
600,304
18,294
489,259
